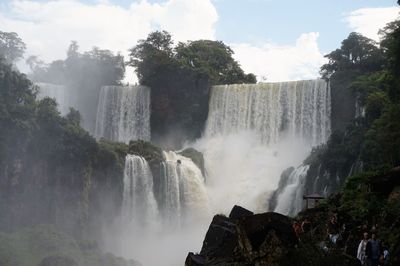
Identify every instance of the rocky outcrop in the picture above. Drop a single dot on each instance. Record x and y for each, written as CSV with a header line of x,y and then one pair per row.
x,y
244,238
196,156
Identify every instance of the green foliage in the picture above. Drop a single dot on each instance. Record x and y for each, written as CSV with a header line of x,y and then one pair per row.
x,y
213,59
150,152
382,142
358,201
375,104
180,78
152,56
11,46
356,53
83,74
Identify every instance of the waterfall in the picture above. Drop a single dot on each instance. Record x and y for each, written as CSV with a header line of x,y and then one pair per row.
x,y
296,108
359,108
182,189
290,200
139,206
57,92
123,113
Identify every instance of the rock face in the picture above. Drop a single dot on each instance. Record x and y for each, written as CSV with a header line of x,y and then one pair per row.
x,y
57,261
244,238
196,156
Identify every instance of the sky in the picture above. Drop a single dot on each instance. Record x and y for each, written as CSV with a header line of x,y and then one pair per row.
x,y
277,40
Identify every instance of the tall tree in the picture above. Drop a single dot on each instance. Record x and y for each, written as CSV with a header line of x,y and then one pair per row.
x,y
11,46
357,52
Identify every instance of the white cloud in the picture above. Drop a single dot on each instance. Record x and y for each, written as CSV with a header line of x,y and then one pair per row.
x,y
279,63
368,21
48,27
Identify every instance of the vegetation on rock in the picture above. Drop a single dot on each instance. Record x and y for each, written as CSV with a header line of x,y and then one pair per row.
x,y
180,78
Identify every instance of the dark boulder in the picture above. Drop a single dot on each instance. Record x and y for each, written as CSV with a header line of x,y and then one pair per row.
x,y
246,239
385,183
238,212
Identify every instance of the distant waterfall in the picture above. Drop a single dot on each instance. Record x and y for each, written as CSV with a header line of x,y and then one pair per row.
x,y
297,108
290,200
139,205
182,189
123,113
57,92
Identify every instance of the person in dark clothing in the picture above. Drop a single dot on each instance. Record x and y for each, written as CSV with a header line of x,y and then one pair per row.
x,y
351,245
333,230
385,256
306,225
373,251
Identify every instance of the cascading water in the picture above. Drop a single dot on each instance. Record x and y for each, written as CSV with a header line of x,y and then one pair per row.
x,y
297,108
123,113
139,206
183,190
290,200
182,211
57,92
254,132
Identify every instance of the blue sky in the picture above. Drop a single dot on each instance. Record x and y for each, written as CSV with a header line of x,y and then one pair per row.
x,y
273,38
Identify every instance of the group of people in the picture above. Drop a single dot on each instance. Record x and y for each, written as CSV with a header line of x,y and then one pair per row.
x,y
369,251
372,252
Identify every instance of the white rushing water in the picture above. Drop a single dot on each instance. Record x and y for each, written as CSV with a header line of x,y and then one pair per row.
x,y
183,190
57,92
296,108
254,132
290,201
163,237
123,113
139,207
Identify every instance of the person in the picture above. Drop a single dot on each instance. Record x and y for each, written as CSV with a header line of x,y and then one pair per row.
x,y
361,256
351,246
372,251
297,228
333,230
385,254
306,225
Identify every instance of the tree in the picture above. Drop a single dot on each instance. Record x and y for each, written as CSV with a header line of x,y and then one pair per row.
x,y
152,55
11,46
356,53
213,58
390,44
180,78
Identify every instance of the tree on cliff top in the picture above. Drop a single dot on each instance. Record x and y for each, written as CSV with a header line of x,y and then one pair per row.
x,y
356,53
180,78
212,59
11,46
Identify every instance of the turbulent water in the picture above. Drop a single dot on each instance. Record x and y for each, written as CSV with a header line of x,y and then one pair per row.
x,y
182,189
290,200
297,108
253,133
166,229
57,92
123,113
139,205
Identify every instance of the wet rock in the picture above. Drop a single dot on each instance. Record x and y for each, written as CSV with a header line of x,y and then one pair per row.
x,y
245,239
238,212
